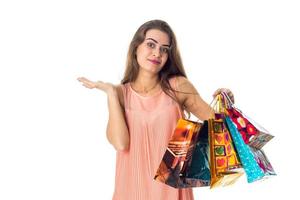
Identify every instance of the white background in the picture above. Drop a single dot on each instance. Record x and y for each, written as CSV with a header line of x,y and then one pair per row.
x,y
52,129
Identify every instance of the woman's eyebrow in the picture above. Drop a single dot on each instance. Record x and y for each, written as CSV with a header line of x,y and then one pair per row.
x,y
157,42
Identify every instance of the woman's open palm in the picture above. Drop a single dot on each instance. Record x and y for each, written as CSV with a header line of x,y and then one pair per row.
x,y
105,87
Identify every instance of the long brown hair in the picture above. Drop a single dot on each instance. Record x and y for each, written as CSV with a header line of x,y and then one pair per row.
x,y
173,66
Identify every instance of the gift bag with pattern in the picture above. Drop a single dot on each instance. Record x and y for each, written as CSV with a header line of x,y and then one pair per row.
x,y
263,162
252,133
250,165
225,166
253,158
177,161
199,167
224,162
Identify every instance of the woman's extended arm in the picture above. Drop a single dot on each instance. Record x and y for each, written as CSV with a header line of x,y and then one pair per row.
x,y
192,101
116,131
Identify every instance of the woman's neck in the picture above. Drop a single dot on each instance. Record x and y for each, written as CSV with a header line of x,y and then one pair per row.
x,y
145,83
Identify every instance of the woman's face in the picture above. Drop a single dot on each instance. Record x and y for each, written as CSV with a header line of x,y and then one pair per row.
x,y
152,54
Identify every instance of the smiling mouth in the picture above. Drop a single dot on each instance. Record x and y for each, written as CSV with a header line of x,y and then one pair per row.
x,y
155,62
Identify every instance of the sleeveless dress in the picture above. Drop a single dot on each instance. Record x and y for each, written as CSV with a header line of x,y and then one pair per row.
x,y
151,122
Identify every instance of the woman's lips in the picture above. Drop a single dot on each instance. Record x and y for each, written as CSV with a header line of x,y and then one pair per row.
x,y
155,62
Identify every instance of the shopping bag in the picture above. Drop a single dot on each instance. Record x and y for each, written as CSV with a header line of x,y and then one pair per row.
x,y
176,161
249,163
254,161
263,162
225,167
198,173
252,133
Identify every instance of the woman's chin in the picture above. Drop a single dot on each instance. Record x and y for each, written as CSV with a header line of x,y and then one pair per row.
x,y
152,69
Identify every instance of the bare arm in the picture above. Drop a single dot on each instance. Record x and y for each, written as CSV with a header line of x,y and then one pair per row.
x,y
191,99
116,131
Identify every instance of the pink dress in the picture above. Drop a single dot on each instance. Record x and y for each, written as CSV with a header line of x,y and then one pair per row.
x,y
151,122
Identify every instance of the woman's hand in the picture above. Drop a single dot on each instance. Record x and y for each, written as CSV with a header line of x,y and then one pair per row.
x,y
105,87
225,90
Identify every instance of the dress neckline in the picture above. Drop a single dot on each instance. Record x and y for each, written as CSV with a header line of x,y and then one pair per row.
x,y
145,97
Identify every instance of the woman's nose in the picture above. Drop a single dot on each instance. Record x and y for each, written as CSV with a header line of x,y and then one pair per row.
x,y
156,52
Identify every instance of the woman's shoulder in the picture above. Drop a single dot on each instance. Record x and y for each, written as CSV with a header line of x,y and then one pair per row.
x,y
184,89
121,90
177,81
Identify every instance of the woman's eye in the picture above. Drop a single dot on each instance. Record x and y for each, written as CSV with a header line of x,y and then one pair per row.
x,y
165,50
150,44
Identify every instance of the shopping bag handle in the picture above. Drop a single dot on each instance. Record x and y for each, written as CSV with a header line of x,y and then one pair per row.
x,y
218,105
228,99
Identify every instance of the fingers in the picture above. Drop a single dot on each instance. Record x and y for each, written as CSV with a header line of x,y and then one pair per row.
x,y
86,83
219,91
82,79
91,84
225,90
230,95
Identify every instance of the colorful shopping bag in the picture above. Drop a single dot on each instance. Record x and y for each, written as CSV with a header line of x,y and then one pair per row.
x,y
176,161
250,165
198,171
225,167
263,162
253,159
252,133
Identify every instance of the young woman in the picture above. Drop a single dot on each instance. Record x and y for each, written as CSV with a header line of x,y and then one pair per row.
x,y
144,109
